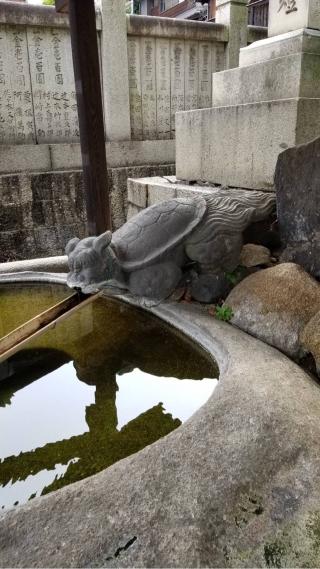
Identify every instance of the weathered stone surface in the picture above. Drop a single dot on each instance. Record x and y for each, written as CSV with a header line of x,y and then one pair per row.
x,y
263,81
275,305
118,178
292,15
115,58
148,254
310,338
300,41
45,264
40,212
253,255
242,156
237,485
298,202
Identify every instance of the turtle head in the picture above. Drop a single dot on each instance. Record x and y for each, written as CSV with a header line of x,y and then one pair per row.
x,y
91,262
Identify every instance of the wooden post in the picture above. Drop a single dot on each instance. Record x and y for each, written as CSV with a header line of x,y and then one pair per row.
x,y
83,31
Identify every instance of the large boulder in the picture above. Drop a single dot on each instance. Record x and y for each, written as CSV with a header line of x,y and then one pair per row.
x,y
297,178
275,305
310,339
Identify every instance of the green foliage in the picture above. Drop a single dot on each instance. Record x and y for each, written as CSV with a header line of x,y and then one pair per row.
x,y
48,2
223,313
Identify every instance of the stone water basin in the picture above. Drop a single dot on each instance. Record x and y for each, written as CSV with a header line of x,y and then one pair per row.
x,y
99,386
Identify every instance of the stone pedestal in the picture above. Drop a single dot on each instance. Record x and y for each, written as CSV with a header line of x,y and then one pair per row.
x,y
234,14
114,61
269,103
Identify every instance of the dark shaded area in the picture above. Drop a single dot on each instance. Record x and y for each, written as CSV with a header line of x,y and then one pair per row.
x,y
297,179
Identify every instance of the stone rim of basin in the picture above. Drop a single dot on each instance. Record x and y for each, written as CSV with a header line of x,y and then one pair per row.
x,y
237,480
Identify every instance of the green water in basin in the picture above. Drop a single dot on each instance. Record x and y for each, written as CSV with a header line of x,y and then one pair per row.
x,y
103,384
36,299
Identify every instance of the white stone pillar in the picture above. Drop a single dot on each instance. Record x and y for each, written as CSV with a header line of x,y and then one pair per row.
x,y
114,62
234,14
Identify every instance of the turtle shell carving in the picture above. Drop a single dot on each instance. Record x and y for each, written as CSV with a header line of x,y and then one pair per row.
x,y
156,230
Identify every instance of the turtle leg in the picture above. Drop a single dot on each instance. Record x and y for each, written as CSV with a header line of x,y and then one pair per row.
x,y
155,282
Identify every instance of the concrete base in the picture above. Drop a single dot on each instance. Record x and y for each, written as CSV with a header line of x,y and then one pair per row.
x,y
239,145
48,157
271,102
145,192
300,41
264,81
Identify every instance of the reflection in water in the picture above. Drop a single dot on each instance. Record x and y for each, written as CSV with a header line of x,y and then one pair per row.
x,y
59,429
36,299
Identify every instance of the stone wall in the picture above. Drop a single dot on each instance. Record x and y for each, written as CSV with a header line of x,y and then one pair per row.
x,y
40,212
37,89
150,68
170,69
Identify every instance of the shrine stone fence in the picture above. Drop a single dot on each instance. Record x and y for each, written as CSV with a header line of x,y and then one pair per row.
x,y
150,69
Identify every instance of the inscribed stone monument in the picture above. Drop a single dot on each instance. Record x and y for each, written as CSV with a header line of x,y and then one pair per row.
x,y
289,15
270,103
16,110
54,94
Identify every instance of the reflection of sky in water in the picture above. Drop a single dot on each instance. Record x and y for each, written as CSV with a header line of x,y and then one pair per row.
x,y
48,410
21,490
53,408
138,391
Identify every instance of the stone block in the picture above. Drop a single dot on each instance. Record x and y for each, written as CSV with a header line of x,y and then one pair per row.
x,y
298,202
299,41
9,189
16,104
137,192
65,156
46,157
114,59
24,158
239,145
234,14
287,15
140,152
157,189
133,210
10,217
265,81
53,85
160,192
185,191
118,185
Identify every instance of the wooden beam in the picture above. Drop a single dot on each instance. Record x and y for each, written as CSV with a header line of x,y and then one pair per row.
x,y
84,43
35,327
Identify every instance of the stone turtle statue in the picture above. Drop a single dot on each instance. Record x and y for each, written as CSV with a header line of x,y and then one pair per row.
x,y
192,240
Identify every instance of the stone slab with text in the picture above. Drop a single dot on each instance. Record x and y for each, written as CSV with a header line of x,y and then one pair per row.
x,y
288,15
53,86
16,109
